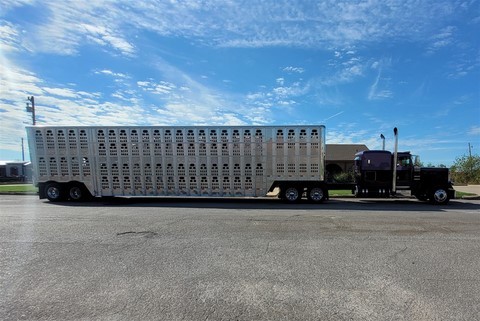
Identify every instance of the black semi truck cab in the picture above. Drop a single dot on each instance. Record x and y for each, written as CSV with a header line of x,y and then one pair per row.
x,y
374,177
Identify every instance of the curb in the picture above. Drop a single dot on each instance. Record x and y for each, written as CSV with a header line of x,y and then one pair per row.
x,y
18,193
472,197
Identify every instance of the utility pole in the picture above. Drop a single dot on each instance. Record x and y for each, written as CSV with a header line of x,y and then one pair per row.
x,y
31,109
470,160
23,151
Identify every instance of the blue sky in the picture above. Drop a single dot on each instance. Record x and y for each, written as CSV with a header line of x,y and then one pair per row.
x,y
360,68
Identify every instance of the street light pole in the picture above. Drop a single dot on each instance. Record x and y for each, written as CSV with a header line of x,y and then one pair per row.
x,y
23,151
32,108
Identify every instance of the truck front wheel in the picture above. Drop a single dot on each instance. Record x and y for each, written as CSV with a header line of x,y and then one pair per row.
x,y
439,196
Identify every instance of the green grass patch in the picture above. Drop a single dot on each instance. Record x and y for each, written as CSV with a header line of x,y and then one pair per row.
x,y
346,192
462,194
18,188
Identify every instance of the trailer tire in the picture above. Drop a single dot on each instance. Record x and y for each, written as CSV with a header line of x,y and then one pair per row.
x,y
77,192
316,194
54,192
291,194
439,196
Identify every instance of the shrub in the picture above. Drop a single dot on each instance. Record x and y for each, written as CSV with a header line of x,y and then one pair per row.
x,y
344,177
466,170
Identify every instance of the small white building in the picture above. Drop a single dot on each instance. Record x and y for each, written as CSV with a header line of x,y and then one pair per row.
x,y
15,171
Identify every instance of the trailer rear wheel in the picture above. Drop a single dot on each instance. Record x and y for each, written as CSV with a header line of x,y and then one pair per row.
x,y
54,192
316,194
291,194
77,192
439,196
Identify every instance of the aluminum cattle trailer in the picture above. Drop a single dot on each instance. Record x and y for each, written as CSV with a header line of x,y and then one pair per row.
x,y
73,163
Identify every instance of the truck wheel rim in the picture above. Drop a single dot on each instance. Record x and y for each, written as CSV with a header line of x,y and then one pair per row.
x,y
53,192
316,194
440,195
75,193
291,194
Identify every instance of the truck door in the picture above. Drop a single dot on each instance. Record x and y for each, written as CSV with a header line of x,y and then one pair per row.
x,y
404,170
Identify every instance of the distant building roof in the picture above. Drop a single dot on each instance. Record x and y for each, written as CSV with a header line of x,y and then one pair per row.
x,y
343,152
4,163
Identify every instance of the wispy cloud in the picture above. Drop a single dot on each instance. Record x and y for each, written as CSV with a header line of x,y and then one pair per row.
x,y
378,89
292,69
104,37
474,131
180,99
283,97
111,73
333,116
344,68
441,39
162,88
9,37
57,105
152,85
68,25
462,66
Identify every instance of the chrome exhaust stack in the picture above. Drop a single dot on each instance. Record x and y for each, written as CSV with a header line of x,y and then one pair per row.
x,y
395,158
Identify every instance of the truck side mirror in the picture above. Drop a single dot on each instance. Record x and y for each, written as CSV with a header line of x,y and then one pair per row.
x,y
416,161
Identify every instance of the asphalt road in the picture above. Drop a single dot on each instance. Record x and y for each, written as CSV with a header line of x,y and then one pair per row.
x,y
239,260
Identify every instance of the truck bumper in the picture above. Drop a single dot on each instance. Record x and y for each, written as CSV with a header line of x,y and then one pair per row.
x,y
451,193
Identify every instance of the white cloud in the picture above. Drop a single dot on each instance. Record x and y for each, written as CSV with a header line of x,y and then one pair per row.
x,y
62,92
441,39
344,74
104,37
375,93
65,26
16,82
164,88
9,37
178,97
292,69
474,131
111,73
58,105
379,89
144,84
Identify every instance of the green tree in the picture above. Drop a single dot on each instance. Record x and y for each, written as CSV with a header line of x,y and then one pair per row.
x,y
466,169
435,165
